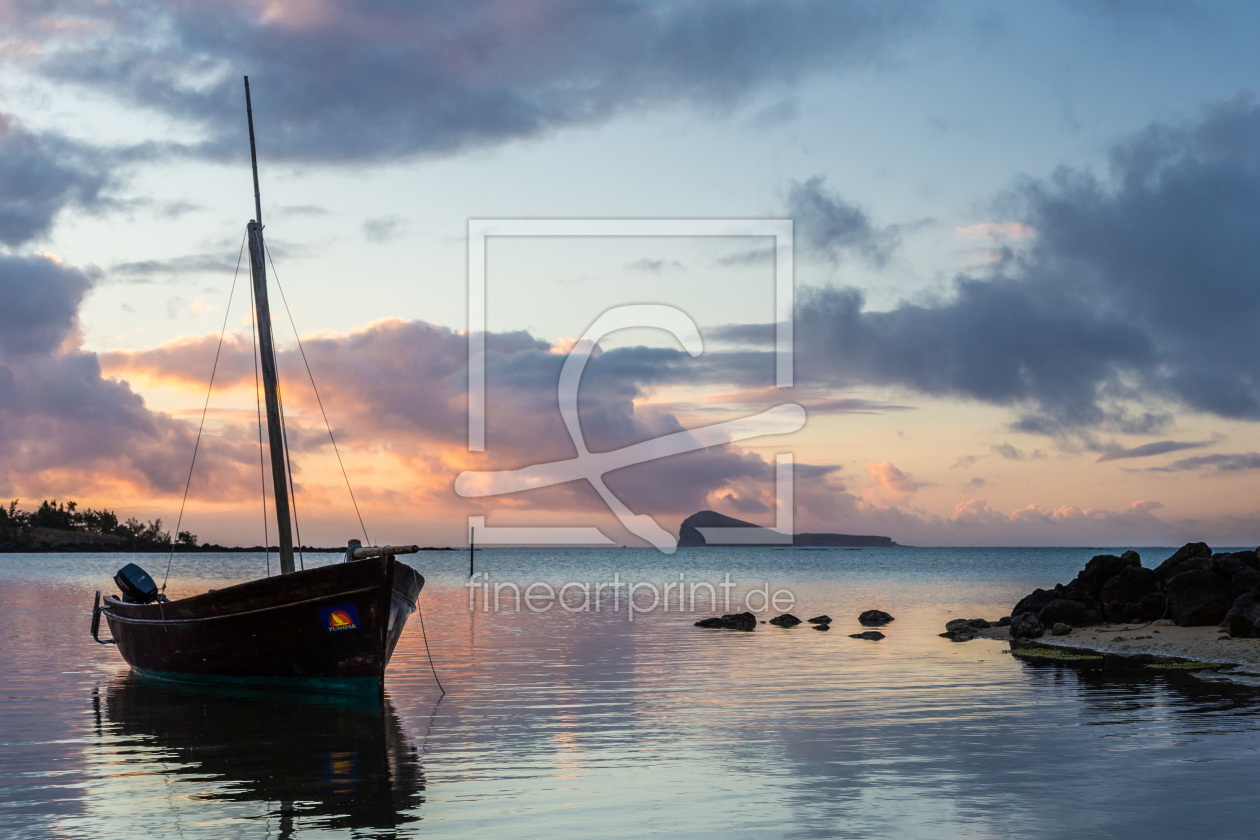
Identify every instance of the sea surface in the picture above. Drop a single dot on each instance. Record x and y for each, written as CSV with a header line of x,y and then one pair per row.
x,y
573,723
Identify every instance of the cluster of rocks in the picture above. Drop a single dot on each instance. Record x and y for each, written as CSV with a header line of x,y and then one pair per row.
x,y
734,621
964,629
1193,587
748,621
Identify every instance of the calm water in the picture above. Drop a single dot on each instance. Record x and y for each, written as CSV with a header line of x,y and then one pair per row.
x,y
581,724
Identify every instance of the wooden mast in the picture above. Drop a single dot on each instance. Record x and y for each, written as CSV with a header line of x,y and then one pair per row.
x,y
267,350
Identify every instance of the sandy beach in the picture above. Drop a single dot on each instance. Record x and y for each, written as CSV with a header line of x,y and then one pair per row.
x,y
1159,640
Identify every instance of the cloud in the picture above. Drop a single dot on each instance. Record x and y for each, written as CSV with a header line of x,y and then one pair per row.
x,y
1138,293
1117,452
41,173
975,512
1011,453
144,271
341,81
401,385
383,229
828,225
995,231
41,300
1219,463
66,427
752,256
893,481
655,266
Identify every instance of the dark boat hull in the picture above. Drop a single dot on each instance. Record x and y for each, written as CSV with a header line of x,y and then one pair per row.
x,y
332,628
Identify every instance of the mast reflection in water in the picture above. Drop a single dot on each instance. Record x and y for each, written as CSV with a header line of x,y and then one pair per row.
x,y
309,762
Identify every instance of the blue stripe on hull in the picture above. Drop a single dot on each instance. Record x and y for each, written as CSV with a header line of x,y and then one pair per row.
x,y
312,685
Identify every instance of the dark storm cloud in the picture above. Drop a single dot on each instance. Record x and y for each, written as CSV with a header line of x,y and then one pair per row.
x,y
340,81
40,173
40,300
64,425
1136,291
1146,450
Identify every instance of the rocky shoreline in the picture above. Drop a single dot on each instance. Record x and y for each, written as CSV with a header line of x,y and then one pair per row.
x,y
1197,611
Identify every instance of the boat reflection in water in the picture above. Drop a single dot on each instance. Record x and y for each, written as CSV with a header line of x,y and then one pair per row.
x,y
313,761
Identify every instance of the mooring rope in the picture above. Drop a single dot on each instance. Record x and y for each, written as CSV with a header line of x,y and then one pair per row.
x,y
425,636
196,446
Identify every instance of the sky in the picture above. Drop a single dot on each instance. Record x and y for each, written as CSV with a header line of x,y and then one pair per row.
x,y
1024,260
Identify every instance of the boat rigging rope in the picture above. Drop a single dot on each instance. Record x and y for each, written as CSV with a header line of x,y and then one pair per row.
x,y
327,425
196,446
284,434
425,636
262,469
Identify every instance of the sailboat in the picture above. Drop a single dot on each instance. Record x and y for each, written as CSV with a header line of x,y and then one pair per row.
x,y
331,628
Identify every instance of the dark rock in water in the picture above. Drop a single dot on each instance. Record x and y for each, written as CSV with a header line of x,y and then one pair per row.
x,y
1132,556
1060,629
1098,571
963,629
785,620
1154,606
1164,570
1004,621
820,619
1122,595
1243,619
872,635
822,626
874,618
1033,602
1075,613
1026,626
1248,580
1197,598
732,621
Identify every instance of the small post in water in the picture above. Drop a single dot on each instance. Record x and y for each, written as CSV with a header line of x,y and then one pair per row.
x,y
472,543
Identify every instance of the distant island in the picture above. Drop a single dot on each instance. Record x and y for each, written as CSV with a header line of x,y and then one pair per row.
x,y
689,534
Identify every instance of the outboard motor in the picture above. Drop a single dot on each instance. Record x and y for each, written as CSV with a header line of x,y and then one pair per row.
x,y
136,585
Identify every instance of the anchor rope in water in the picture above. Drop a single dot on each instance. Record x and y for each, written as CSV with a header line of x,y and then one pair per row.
x,y
262,468
318,400
425,636
201,427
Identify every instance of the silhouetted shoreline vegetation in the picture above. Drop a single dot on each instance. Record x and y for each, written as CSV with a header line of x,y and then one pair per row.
x,y
56,527
63,527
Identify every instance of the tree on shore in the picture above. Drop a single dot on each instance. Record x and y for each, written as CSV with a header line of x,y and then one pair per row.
x,y
17,527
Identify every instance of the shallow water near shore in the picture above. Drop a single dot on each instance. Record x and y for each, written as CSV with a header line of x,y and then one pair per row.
x,y
587,723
